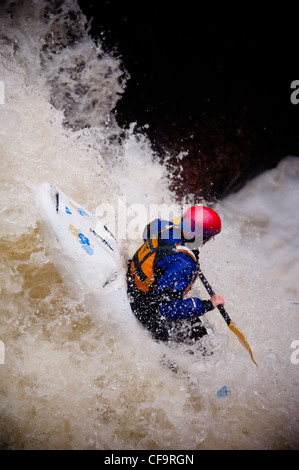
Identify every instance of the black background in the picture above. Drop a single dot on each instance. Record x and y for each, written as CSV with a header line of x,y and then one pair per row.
x,y
207,79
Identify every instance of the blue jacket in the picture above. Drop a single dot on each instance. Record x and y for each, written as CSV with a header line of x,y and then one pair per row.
x,y
179,272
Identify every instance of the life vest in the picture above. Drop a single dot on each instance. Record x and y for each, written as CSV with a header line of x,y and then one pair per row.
x,y
144,264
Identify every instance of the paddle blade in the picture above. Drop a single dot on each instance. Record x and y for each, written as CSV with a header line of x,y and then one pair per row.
x,y
241,338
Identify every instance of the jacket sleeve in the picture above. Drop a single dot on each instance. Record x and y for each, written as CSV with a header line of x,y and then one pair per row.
x,y
179,272
185,309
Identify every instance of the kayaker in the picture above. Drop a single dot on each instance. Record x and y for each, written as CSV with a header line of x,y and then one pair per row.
x,y
163,270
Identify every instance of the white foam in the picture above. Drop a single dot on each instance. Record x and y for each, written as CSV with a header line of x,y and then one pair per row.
x,y
77,375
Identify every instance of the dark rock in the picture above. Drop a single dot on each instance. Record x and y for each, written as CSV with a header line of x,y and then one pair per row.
x,y
211,85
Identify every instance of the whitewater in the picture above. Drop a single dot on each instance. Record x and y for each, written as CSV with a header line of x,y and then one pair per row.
x,y
77,371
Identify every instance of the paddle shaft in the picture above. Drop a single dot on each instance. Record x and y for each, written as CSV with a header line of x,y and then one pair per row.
x,y
232,326
211,293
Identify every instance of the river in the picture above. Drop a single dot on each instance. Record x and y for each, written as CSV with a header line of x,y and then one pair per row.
x,y
83,375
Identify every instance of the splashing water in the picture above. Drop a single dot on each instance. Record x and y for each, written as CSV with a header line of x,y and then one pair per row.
x,y
75,376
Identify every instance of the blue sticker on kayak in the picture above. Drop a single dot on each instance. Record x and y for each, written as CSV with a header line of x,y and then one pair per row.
x,y
84,241
78,209
82,211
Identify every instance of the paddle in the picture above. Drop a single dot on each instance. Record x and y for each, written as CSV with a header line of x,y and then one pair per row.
x,y
232,326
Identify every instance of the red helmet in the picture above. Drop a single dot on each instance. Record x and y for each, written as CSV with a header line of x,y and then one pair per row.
x,y
201,222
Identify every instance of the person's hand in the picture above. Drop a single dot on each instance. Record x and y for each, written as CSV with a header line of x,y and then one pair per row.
x,y
217,300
